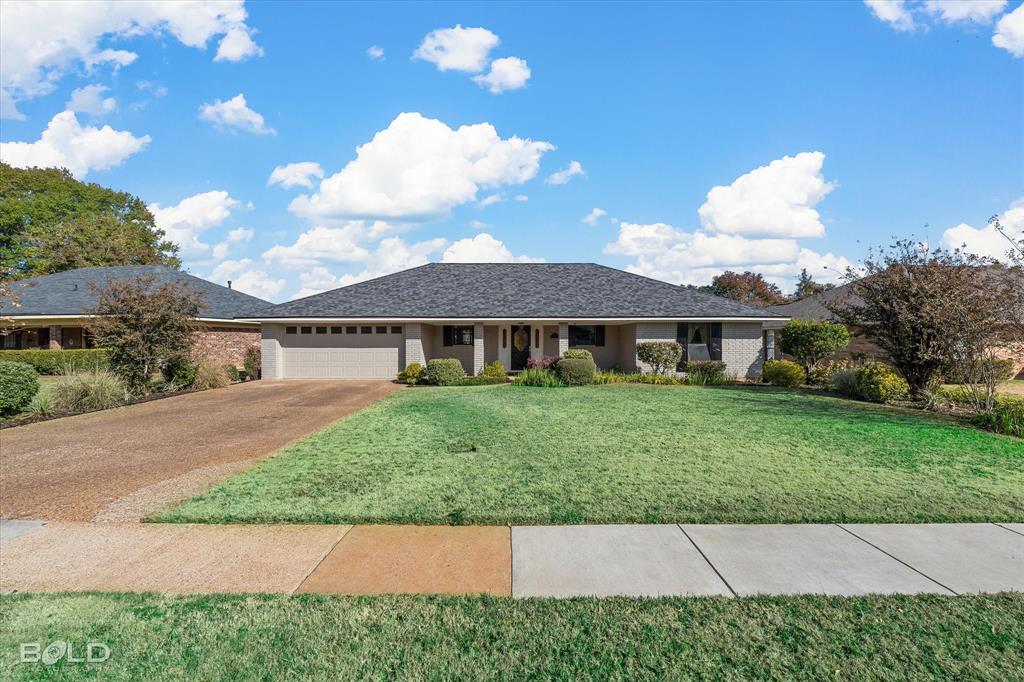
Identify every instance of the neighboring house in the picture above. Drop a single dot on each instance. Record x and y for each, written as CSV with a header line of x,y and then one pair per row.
x,y
817,308
52,311
512,312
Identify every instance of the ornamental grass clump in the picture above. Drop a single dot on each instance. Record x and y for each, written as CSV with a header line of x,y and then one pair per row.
x,y
537,377
86,391
705,372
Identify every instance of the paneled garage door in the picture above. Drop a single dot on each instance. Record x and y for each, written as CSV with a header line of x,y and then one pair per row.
x,y
340,363
341,356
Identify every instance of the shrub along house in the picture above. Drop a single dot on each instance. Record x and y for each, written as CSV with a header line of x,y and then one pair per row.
x,y
52,311
512,312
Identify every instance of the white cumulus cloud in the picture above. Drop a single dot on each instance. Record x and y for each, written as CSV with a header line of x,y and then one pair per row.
x,y
1009,33
247,279
566,174
66,143
299,174
419,168
457,48
40,42
594,216
952,11
893,12
234,115
987,241
236,236
375,52
186,220
483,248
775,200
237,45
320,245
507,73
521,198
90,100
391,255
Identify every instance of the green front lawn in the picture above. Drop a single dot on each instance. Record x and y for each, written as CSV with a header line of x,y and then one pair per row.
x,y
475,638
617,454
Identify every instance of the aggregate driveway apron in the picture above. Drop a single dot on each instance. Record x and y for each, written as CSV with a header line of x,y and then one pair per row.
x,y
126,463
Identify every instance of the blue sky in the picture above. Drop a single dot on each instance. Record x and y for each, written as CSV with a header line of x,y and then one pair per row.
x,y
825,127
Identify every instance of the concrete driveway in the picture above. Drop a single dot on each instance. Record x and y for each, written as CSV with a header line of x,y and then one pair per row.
x,y
126,463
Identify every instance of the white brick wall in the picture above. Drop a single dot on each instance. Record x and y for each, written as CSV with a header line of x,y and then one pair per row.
x,y
653,331
563,338
742,349
414,344
270,351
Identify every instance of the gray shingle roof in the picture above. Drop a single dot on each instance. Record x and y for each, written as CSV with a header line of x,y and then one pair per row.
x,y
512,290
73,292
814,308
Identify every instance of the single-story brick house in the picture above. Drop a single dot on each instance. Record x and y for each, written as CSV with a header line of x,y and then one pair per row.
x,y
52,311
512,312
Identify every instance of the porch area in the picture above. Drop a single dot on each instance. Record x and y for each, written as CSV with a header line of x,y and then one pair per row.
x,y
743,346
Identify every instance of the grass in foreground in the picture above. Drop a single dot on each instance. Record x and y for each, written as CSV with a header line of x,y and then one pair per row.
x,y
327,638
616,454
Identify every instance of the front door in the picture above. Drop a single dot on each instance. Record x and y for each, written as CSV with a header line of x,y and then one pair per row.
x,y
520,346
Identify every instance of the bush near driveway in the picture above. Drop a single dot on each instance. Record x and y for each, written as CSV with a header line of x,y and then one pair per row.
x,y
443,371
19,383
57,361
98,389
412,375
627,454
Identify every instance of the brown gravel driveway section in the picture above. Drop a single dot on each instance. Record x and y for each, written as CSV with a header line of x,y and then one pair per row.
x,y
126,463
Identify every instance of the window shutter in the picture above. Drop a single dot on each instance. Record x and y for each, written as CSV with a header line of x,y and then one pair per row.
x,y
715,345
448,333
682,338
599,335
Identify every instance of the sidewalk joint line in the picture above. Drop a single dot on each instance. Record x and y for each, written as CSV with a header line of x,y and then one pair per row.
x,y
1009,529
713,568
511,563
951,590
319,561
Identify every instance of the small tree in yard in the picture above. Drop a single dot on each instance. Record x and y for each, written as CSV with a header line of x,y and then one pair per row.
x,y
928,309
661,356
145,323
811,342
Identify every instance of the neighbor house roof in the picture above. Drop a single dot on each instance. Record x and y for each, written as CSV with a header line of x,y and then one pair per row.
x,y
816,307
513,291
73,292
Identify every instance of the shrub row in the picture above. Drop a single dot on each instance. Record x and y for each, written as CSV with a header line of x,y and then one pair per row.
x,y
783,373
705,372
57,361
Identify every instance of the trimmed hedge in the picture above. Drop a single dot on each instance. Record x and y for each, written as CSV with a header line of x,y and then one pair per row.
x,y
783,373
57,361
412,375
576,371
578,354
18,385
443,371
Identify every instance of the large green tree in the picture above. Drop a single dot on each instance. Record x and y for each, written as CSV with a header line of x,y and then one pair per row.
x,y
50,222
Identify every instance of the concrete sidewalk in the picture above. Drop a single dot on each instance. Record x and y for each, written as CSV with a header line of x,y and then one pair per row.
x,y
522,561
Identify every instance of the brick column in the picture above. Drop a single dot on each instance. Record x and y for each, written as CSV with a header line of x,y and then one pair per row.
x,y
56,338
563,338
478,348
414,344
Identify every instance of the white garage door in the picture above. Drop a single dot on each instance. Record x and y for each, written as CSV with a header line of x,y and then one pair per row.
x,y
341,356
